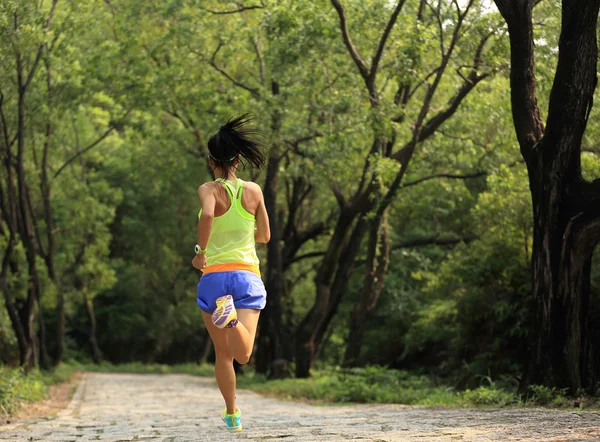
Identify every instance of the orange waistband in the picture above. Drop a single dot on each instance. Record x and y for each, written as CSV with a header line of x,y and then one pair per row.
x,y
230,267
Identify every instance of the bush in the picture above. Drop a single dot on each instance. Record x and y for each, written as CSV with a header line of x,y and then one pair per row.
x,y
366,385
16,386
488,396
542,395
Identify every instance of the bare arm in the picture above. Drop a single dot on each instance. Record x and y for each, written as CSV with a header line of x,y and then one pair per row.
x,y
263,230
208,202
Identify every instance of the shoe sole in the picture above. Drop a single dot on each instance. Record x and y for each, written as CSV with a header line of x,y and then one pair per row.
x,y
234,429
221,320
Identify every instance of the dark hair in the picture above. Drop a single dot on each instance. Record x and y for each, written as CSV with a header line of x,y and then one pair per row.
x,y
235,139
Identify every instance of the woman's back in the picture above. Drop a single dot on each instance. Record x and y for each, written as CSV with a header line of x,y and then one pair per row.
x,y
251,196
231,245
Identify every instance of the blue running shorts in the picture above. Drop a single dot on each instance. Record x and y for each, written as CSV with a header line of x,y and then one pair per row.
x,y
246,287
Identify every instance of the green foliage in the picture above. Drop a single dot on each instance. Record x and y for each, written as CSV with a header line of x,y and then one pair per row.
x,y
367,385
162,77
474,319
18,387
375,384
542,395
488,395
139,368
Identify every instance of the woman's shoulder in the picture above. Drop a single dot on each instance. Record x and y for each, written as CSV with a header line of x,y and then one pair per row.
x,y
252,186
208,187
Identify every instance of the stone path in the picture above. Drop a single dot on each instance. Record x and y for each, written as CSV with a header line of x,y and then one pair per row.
x,y
173,408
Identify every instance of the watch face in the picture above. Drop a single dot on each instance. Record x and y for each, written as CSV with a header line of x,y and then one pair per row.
x,y
197,248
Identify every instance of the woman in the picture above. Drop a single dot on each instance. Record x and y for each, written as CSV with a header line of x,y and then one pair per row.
x,y
233,218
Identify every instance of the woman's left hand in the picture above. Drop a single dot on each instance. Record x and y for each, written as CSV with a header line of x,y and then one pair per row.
x,y
199,262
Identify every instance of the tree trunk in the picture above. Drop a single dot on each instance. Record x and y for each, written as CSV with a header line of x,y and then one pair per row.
x,y
49,218
565,207
270,338
60,326
378,257
314,325
27,319
22,211
27,234
8,205
89,308
44,357
338,261
562,354
206,350
25,349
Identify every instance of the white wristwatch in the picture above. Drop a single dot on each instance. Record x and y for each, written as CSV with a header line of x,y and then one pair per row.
x,y
199,250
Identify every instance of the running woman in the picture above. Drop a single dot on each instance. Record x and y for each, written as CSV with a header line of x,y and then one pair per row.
x,y
233,218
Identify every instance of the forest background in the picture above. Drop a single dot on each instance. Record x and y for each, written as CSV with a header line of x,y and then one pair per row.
x,y
401,214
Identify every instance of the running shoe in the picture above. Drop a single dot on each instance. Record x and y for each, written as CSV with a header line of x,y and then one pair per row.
x,y
233,421
225,315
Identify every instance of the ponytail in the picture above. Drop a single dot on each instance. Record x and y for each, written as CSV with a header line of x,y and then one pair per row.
x,y
236,140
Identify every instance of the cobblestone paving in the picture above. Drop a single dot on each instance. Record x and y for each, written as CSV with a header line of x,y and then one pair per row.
x,y
173,408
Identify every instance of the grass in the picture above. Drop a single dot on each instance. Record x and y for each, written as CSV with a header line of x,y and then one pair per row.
x,y
364,385
140,368
381,385
370,385
18,387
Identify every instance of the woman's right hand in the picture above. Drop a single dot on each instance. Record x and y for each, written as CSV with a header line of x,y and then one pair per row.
x,y
199,262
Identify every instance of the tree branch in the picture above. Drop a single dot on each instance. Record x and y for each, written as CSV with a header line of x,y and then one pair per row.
x,y
433,124
572,94
339,196
88,148
307,256
465,139
305,138
364,72
179,117
261,62
434,240
5,134
293,245
431,89
42,248
294,144
526,113
255,92
235,11
436,14
446,175
382,42
40,51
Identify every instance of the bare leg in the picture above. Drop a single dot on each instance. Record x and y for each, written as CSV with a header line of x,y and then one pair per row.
x,y
242,335
233,342
223,362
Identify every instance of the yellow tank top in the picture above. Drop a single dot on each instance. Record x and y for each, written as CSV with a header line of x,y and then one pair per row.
x,y
231,244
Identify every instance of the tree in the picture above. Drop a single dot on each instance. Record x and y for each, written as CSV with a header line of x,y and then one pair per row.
x,y
26,32
277,54
48,109
411,102
565,206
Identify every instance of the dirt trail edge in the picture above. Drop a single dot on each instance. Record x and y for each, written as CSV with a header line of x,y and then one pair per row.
x,y
173,408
